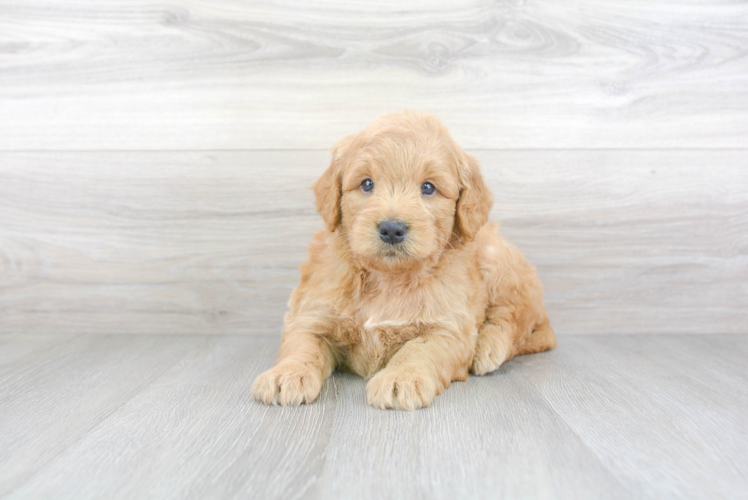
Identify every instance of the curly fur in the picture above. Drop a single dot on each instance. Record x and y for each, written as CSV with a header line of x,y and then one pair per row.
x,y
453,297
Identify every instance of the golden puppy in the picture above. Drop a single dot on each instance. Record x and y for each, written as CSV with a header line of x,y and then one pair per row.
x,y
408,285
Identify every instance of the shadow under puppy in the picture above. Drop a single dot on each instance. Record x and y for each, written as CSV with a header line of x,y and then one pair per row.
x,y
408,285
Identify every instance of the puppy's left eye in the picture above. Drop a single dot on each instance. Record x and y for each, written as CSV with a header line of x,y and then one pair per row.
x,y
367,185
427,189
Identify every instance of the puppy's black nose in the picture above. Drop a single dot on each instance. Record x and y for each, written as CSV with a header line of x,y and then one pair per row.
x,y
392,231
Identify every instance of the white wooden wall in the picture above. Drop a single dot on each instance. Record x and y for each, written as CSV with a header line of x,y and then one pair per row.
x,y
154,156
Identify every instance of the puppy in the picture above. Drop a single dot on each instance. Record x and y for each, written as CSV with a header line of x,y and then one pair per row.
x,y
408,285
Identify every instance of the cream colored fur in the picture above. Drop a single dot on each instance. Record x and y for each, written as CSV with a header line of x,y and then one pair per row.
x,y
453,297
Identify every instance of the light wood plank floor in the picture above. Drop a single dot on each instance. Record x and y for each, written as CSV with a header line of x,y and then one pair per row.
x,y
171,416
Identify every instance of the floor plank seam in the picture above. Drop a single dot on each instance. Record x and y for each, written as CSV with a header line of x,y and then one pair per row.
x,y
24,360
80,435
581,439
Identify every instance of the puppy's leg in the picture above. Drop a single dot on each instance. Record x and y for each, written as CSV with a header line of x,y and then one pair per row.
x,y
305,361
419,371
506,334
541,339
493,347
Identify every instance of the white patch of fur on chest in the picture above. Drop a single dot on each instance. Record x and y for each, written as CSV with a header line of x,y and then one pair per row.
x,y
379,336
379,333
373,324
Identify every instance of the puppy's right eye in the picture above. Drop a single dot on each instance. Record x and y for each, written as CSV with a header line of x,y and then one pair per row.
x,y
367,185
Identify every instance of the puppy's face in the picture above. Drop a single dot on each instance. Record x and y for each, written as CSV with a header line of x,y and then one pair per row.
x,y
400,191
398,203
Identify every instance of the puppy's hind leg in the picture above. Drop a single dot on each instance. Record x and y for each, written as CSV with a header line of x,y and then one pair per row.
x,y
495,342
542,338
506,334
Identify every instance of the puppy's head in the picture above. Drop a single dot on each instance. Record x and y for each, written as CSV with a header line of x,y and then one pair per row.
x,y
401,191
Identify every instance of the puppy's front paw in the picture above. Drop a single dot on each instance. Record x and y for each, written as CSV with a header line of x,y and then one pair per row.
x,y
288,385
490,353
402,388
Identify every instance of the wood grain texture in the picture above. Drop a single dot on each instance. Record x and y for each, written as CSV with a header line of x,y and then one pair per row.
x,y
600,417
617,403
210,242
52,398
19,346
234,74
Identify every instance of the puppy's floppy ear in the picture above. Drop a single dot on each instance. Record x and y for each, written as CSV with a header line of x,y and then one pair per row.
x,y
475,201
328,189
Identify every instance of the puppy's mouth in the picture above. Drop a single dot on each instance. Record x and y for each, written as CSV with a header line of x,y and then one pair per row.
x,y
394,252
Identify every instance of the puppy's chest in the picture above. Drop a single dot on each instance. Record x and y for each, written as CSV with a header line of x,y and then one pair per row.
x,y
377,328
370,344
390,318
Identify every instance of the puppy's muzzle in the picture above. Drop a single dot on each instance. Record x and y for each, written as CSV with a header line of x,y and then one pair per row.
x,y
392,231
